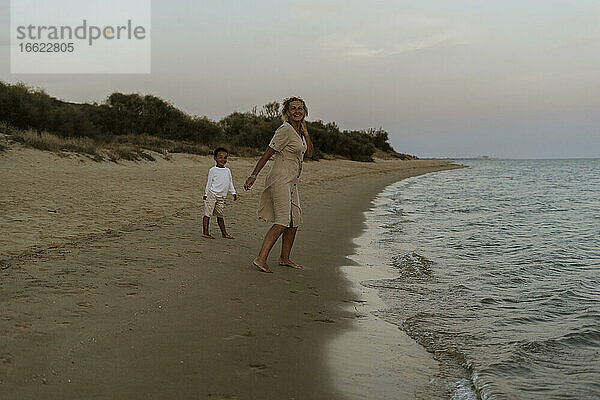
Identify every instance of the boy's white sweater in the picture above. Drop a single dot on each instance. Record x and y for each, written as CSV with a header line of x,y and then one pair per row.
x,y
219,182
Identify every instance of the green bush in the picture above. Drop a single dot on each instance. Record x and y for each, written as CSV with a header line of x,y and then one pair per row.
x,y
133,115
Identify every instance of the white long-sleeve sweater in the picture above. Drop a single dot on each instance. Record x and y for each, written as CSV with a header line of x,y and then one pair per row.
x,y
219,182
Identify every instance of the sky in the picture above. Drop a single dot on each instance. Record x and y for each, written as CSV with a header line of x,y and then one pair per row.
x,y
504,78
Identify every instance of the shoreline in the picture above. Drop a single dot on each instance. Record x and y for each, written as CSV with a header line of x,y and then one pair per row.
x,y
149,309
400,368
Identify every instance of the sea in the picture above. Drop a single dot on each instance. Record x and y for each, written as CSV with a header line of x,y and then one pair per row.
x,y
494,270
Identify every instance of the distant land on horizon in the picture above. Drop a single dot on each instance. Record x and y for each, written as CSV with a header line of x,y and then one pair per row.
x,y
460,158
507,158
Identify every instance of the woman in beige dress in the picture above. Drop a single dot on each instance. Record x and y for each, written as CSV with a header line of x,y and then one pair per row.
x,y
280,202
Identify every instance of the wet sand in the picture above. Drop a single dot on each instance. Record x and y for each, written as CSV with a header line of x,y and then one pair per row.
x,y
108,289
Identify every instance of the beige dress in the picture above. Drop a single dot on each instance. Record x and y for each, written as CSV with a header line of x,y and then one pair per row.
x,y
280,202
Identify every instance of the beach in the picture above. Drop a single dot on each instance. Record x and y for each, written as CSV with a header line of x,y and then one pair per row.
x,y
108,289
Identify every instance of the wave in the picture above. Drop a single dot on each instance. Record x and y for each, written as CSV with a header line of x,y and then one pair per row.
x,y
413,265
462,390
588,337
507,301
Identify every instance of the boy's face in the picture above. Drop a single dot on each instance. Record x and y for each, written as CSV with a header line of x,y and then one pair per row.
x,y
221,159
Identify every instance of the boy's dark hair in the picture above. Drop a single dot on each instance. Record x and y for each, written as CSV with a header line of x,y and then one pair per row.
x,y
219,149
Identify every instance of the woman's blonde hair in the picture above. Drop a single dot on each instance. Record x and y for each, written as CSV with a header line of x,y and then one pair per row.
x,y
286,107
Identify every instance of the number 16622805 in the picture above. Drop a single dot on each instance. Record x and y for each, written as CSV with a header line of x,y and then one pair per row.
x,y
46,47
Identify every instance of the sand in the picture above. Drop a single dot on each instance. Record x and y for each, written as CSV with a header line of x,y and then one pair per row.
x,y
108,289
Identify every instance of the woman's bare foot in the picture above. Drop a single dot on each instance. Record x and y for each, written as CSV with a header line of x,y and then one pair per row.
x,y
208,236
262,265
228,236
289,263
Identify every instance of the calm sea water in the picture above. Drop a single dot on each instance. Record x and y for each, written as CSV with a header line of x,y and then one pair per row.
x,y
497,273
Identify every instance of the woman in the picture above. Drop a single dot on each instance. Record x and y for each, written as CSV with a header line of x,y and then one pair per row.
x,y
280,202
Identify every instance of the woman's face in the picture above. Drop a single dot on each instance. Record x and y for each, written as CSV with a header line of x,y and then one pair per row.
x,y
296,111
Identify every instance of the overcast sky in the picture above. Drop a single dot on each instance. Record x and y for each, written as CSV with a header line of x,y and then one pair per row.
x,y
504,78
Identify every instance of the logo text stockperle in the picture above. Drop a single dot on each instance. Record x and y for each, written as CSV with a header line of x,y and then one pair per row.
x,y
83,32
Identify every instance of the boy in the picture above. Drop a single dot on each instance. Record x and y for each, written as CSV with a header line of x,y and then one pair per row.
x,y
218,184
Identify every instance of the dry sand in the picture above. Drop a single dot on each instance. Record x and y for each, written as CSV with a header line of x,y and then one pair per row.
x,y
109,291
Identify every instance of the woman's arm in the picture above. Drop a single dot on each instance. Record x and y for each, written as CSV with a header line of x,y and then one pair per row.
x,y
309,145
259,165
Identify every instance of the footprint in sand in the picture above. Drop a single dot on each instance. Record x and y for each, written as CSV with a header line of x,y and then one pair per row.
x,y
258,368
319,317
313,290
325,320
246,334
6,358
297,339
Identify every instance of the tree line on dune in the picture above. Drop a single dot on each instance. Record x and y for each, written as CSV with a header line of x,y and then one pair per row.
x,y
123,115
